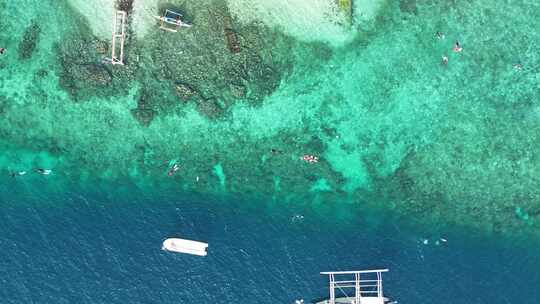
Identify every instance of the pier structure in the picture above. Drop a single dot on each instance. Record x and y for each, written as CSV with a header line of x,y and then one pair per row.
x,y
355,287
118,38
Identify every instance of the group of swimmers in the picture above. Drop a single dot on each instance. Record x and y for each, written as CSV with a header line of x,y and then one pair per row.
x,y
456,48
308,158
37,170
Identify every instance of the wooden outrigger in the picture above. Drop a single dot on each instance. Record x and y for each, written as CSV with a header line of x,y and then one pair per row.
x,y
171,21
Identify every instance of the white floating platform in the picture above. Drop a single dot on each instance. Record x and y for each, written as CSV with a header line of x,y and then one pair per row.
x,y
185,246
363,300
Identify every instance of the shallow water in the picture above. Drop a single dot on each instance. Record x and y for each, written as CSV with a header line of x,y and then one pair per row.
x,y
387,119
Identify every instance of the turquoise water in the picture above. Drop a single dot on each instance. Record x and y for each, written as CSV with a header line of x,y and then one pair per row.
x,y
410,150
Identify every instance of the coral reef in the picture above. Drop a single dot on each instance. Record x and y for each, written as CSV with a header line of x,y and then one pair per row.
x,y
29,40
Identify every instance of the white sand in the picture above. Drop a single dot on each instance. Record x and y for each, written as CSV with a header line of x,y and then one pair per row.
x,y
143,16
99,14
307,20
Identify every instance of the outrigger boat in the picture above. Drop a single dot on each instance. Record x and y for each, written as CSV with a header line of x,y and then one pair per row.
x,y
185,246
171,21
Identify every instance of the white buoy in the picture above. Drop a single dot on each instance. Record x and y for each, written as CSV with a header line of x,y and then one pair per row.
x,y
185,246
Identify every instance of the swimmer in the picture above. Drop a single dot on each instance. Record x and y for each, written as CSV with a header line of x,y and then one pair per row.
x,y
457,47
173,169
275,151
440,35
19,173
43,171
297,217
2,50
518,66
310,158
444,60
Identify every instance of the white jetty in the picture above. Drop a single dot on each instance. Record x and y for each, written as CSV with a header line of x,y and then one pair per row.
x,y
118,38
185,246
366,284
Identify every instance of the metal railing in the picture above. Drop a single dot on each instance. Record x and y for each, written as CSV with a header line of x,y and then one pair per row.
x,y
119,32
371,286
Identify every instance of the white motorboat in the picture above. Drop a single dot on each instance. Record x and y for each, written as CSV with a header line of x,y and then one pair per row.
x,y
185,246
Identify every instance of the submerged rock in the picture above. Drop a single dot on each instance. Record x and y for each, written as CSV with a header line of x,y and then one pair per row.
x,y
237,91
83,73
101,47
408,6
218,58
184,91
143,116
29,41
95,74
125,5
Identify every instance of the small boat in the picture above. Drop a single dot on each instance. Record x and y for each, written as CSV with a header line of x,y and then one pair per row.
x,y
365,285
185,246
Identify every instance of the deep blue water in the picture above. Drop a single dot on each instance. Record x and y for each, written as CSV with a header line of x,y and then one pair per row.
x,y
104,247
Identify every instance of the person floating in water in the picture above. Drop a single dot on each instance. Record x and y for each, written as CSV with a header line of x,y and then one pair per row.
x,y
2,50
440,35
173,169
43,171
18,173
310,158
457,47
444,60
297,217
275,151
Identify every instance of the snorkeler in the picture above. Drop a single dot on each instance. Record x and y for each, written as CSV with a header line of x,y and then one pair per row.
x,y
444,60
457,47
310,158
17,173
2,50
439,35
297,217
275,151
173,169
43,171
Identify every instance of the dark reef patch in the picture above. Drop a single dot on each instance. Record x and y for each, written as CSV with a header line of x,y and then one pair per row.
x,y
408,6
218,61
29,41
